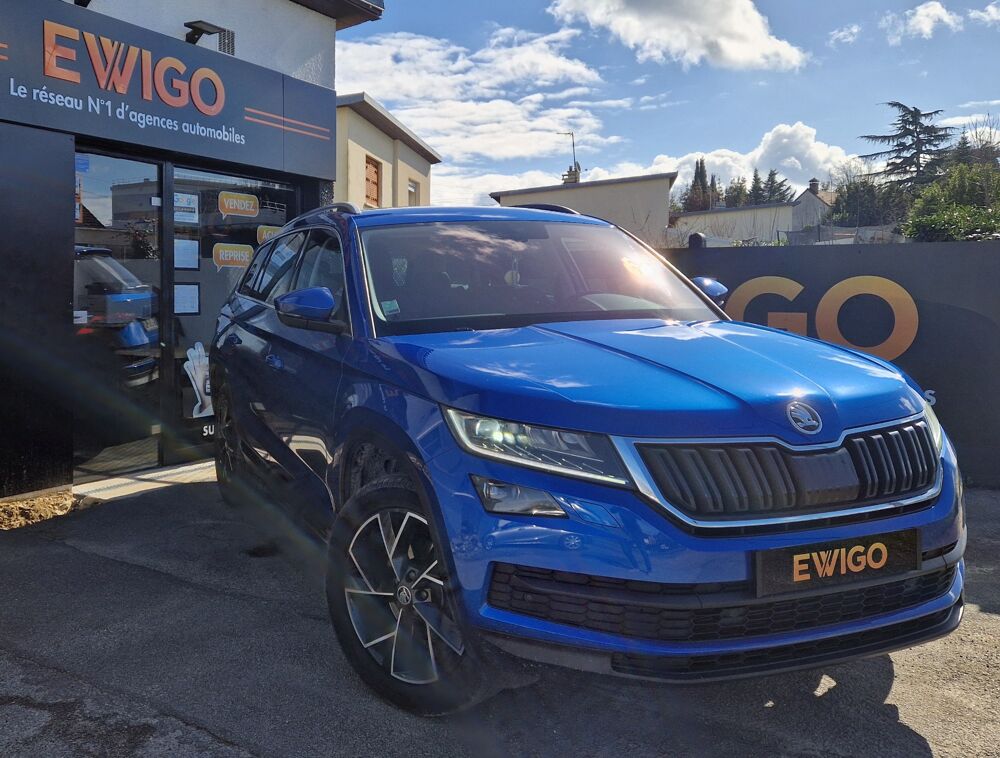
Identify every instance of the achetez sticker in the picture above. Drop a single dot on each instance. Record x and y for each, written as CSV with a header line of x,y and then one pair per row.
x,y
238,204
264,233
228,255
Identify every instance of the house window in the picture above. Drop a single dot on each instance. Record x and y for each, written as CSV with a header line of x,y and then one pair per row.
x,y
413,193
373,182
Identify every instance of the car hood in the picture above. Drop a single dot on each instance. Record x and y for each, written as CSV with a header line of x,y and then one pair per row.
x,y
653,378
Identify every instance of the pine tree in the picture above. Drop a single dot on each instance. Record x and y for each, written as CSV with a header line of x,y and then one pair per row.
x,y
962,153
756,196
916,147
737,194
776,190
713,191
698,196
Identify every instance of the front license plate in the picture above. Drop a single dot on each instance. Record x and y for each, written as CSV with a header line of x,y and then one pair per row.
x,y
825,564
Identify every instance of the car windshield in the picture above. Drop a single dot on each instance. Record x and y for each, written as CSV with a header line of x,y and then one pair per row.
x,y
496,274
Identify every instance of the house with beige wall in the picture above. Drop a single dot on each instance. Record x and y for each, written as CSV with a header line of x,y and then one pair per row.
x,y
723,226
380,162
640,204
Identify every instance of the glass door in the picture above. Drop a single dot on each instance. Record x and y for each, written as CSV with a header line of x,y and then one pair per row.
x,y
219,221
116,318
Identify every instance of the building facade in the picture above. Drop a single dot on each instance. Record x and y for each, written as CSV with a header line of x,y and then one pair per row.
x,y
723,227
640,204
145,150
380,162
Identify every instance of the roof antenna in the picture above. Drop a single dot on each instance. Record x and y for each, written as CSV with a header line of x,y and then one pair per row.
x,y
572,176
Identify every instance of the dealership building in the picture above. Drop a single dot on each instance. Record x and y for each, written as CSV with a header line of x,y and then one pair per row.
x,y
145,150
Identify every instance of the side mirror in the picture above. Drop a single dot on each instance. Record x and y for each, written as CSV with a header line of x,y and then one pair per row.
x,y
311,308
715,289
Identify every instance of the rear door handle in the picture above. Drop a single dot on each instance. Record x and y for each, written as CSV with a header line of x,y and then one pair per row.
x,y
274,361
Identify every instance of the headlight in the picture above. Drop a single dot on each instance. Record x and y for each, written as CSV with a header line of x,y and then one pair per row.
x,y
937,434
587,456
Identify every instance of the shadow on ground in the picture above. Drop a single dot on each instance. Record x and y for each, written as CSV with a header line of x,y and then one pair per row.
x,y
167,623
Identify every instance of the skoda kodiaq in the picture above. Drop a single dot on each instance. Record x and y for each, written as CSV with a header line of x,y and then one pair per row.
x,y
523,429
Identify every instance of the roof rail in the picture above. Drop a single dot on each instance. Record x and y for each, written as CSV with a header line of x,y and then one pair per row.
x,y
348,208
548,207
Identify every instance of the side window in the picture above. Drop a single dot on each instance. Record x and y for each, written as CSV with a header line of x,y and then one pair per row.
x,y
323,266
253,271
276,278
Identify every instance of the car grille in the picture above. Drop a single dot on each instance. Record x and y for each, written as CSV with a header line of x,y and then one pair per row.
x,y
727,481
678,613
797,655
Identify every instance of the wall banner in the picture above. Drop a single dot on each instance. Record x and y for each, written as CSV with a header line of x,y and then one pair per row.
x,y
933,309
67,68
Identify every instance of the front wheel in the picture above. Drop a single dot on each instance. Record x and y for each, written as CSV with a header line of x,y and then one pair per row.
x,y
392,605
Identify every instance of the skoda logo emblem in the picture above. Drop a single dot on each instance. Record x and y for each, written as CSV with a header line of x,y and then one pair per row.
x,y
804,418
404,595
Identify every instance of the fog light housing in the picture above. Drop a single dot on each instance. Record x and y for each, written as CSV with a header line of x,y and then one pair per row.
x,y
515,500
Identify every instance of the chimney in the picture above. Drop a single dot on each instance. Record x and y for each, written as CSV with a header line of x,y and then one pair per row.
x,y
814,186
572,175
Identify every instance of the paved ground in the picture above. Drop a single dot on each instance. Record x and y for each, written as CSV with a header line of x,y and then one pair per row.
x,y
165,624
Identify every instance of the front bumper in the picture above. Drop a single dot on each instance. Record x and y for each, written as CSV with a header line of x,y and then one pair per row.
x,y
634,541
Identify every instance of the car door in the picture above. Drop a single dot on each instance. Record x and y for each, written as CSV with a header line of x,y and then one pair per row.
x,y
312,363
254,333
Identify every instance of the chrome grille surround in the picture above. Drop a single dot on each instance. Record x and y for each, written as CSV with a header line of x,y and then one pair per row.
x,y
629,449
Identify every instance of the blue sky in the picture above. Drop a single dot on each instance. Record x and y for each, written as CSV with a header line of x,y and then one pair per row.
x,y
650,85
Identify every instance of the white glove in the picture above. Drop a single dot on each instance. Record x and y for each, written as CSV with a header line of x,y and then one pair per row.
x,y
196,367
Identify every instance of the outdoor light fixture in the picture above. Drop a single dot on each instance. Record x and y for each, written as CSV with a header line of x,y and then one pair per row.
x,y
199,29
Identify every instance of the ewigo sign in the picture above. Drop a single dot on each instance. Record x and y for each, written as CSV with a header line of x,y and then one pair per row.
x,y
63,67
116,65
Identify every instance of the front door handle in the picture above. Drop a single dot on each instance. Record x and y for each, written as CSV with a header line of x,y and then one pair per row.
x,y
274,361
233,340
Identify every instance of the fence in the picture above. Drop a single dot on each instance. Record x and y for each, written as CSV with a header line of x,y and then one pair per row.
x,y
933,309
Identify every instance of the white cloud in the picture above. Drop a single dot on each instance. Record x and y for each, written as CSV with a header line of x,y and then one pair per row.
x,y
724,33
990,15
499,102
455,185
623,102
921,21
962,121
845,35
980,104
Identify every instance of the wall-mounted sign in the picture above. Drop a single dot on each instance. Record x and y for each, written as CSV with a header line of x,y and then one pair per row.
x,y
68,68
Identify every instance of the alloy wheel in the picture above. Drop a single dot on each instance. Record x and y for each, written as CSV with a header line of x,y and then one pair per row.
x,y
397,597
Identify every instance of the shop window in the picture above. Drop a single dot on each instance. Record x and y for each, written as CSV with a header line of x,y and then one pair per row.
x,y
413,193
373,182
219,221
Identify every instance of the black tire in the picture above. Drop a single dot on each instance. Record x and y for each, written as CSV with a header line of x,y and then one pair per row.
x,y
418,654
229,473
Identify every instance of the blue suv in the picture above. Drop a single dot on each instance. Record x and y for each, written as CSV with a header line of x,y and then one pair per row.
x,y
522,429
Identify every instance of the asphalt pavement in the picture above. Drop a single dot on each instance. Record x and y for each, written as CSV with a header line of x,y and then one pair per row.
x,y
165,623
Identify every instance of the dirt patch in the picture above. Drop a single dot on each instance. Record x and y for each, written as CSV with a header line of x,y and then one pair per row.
x,y
17,513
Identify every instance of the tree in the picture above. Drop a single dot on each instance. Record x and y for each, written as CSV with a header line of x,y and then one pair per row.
x,y
961,154
776,190
865,200
698,195
737,194
756,196
916,146
713,191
